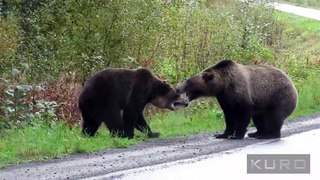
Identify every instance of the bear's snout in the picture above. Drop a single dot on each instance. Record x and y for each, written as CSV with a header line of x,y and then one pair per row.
x,y
180,103
180,88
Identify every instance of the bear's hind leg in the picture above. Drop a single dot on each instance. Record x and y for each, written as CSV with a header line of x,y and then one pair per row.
x,y
258,121
277,111
273,123
113,120
89,126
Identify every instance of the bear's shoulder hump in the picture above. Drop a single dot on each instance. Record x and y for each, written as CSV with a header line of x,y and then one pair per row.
x,y
143,72
224,64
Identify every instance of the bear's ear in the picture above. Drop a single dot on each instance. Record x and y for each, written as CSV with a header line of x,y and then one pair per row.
x,y
163,87
207,76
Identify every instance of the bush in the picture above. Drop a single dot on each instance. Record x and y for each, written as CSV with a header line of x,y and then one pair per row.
x,y
65,38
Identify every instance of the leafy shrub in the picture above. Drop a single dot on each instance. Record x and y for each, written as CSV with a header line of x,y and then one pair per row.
x,y
64,42
14,106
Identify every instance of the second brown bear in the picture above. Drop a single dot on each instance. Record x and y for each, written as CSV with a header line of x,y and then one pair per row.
x,y
261,92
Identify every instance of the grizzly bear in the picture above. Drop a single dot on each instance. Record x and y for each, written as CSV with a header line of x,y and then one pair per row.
x,y
261,92
117,97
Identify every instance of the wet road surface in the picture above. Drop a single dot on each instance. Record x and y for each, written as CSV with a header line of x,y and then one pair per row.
x,y
232,164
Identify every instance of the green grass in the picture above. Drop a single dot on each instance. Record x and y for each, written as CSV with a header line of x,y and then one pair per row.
x,y
309,96
305,3
300,58
296,23
42,141
301,53
301,38
181,123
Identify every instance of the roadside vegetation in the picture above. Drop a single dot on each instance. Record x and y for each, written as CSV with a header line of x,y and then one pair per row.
x,y
300,50
47,54
305,3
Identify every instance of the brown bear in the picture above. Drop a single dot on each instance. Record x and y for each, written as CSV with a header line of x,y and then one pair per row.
x,y
117,97
261,92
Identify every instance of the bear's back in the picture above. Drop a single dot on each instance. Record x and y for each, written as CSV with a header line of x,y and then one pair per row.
x,y
110,83
267,82
112,77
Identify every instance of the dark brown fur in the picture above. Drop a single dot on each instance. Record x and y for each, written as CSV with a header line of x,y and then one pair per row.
x,y
117,97
260,92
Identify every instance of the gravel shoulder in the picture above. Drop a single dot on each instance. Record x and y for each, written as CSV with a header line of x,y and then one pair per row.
x,y
149,153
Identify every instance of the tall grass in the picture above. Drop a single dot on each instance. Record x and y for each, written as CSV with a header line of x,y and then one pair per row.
x,y
299,57
42,141
309,96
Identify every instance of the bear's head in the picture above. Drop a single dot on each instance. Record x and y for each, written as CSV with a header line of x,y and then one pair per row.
x,y
166,96
158,92
206,83
210,82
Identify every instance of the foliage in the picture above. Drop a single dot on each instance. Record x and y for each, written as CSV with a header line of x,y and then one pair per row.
x,y
18,106
14,107
44,64
299,57
64,42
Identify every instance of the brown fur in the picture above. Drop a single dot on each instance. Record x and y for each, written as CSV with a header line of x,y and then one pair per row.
x,y
261,92
118,97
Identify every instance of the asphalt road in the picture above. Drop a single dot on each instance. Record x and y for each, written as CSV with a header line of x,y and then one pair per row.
x,y
113,162
233,164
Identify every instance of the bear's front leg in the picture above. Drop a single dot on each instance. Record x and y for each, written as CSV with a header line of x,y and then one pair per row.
x,y
130,117
230,125
244,114
128,132
142,126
